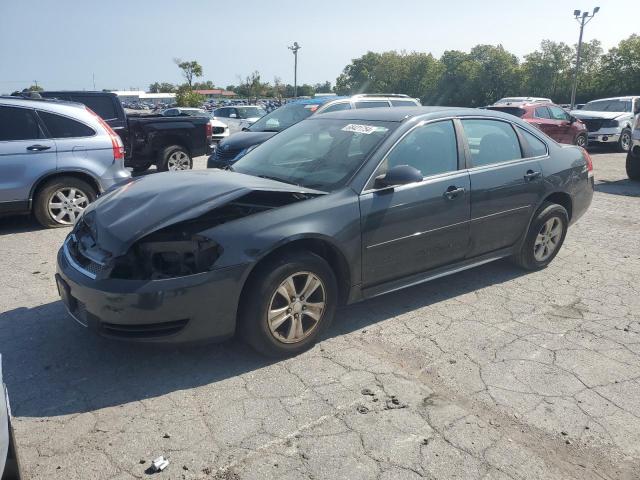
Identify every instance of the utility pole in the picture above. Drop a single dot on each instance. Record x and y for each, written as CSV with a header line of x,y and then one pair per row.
x,y
582,18
93,76
35,82
294,48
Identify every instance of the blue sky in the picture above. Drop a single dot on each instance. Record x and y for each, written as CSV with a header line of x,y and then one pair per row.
x,y
131,43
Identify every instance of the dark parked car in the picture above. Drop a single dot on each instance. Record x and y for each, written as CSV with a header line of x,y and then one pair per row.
x,y
233,148
9,469
336,209
549,118
169,143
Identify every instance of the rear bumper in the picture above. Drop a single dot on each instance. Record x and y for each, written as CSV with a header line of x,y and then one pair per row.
x,y
582,199
195,308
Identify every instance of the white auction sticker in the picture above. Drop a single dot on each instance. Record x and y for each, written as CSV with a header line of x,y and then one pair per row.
x,y
366,129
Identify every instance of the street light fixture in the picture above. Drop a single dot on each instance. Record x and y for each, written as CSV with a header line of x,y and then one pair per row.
x,y
294,48
582,18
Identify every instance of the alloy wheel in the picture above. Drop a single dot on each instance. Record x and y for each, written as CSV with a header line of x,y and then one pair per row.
x,y
296,308
548,239
625,141
66,204
178,161
581,141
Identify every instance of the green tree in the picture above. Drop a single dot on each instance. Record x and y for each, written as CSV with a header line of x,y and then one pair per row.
x,y
186,97
620,68
190,70
323,87
162,87
208,85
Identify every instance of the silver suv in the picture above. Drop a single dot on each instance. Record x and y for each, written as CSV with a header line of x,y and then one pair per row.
x,y
55,158
610,120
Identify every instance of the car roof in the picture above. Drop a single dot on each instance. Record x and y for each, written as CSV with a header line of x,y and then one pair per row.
x,y
544,103
316,100
37,102
399,114
626,97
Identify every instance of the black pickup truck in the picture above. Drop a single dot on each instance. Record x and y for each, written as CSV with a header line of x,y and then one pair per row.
x,y
168,142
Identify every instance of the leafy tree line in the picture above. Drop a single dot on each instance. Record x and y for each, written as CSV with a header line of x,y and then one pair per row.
x,y
488,72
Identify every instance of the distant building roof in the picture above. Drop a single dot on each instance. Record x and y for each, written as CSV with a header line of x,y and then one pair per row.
x,y
216,91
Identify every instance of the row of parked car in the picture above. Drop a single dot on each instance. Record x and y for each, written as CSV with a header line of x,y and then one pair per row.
x,y
83,150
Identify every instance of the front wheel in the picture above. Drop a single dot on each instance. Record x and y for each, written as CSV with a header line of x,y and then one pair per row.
x,y
624,144
288,303
633,166
544,238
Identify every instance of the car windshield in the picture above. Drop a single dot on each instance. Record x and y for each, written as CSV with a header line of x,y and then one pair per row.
x,y
608,106
283,117
250,112
321,154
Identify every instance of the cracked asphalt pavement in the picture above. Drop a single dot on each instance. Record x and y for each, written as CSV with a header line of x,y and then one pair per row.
x,y
492,373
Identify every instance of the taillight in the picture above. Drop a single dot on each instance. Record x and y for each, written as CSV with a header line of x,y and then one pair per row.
x,y
587,158
116,142
209,130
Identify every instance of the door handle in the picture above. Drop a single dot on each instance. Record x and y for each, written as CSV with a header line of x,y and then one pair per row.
x,y
452,192
38,148
531,175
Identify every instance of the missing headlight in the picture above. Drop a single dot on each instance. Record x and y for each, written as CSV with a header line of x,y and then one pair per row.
x,y
154,259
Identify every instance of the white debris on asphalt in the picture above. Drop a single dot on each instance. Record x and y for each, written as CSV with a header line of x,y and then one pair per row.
x,y
159,464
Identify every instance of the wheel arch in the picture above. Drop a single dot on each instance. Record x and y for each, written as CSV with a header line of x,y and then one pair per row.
x,y
79,174
561,198
317,244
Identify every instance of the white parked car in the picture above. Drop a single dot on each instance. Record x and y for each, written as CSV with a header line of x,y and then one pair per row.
x,y
610,120
238,117
523,100
219,129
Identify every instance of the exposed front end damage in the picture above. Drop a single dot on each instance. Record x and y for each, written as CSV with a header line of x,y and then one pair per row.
x,y
162,280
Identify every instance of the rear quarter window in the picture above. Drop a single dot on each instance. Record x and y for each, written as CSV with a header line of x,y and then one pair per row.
x,y
63,127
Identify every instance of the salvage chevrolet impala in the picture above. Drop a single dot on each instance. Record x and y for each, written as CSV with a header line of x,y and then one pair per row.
x,y
336,209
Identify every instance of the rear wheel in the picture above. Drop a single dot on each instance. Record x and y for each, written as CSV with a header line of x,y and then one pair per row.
x,y
288,303
633,165
624,144
61,200
175,158
544,238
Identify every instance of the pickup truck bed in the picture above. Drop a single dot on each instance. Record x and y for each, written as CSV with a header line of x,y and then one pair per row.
x,y
148,139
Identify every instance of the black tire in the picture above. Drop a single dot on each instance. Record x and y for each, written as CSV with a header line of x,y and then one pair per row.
x,y
46,193
582,140
526,258
164,163
624,144
261,290
141,168
633,166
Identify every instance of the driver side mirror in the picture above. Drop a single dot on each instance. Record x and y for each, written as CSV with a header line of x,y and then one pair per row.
x,y
572,119
398,175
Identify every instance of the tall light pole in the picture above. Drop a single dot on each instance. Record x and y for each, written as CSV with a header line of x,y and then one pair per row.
x,y
294,48
582,18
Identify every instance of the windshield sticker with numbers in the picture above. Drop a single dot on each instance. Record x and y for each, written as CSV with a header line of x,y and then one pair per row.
x,y
366,129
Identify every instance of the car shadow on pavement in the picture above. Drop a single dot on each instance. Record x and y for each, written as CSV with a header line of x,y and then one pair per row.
x,y
19,224
626,187
54,367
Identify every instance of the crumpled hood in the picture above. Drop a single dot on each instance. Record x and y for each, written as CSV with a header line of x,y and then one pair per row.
x,y
120,218
589,114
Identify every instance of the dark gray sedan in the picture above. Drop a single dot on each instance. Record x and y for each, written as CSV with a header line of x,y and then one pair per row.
x,y
336,209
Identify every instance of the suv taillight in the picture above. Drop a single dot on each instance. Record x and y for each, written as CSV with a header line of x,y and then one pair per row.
x,y
209,130
116,142
587,158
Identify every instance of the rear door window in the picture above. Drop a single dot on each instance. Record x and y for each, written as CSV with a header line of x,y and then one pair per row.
x,y
63,127
18,124
542,112
337,107
491,141
403,103
373,104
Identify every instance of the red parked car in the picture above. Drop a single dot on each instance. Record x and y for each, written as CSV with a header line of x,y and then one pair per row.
x,y
549,118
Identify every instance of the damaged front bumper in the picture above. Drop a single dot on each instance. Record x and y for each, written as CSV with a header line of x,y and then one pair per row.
x,y
174,310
